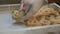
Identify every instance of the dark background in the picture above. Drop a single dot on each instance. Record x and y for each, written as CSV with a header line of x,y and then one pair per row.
x,y
9,1
51,1
18,1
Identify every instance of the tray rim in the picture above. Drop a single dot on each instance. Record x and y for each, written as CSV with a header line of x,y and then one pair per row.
x,y
9,5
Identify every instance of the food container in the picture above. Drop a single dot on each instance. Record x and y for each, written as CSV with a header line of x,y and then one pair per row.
x,y
7,23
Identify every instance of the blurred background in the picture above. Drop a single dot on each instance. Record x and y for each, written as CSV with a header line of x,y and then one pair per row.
x,y
9,1
18,1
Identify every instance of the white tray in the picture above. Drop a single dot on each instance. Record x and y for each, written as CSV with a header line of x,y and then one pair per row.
x,y
7,26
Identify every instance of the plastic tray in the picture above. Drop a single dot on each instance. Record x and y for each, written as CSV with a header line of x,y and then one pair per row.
x,y
7,26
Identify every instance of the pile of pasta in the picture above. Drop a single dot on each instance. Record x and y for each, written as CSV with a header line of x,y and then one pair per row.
x,y
17,15
45,16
